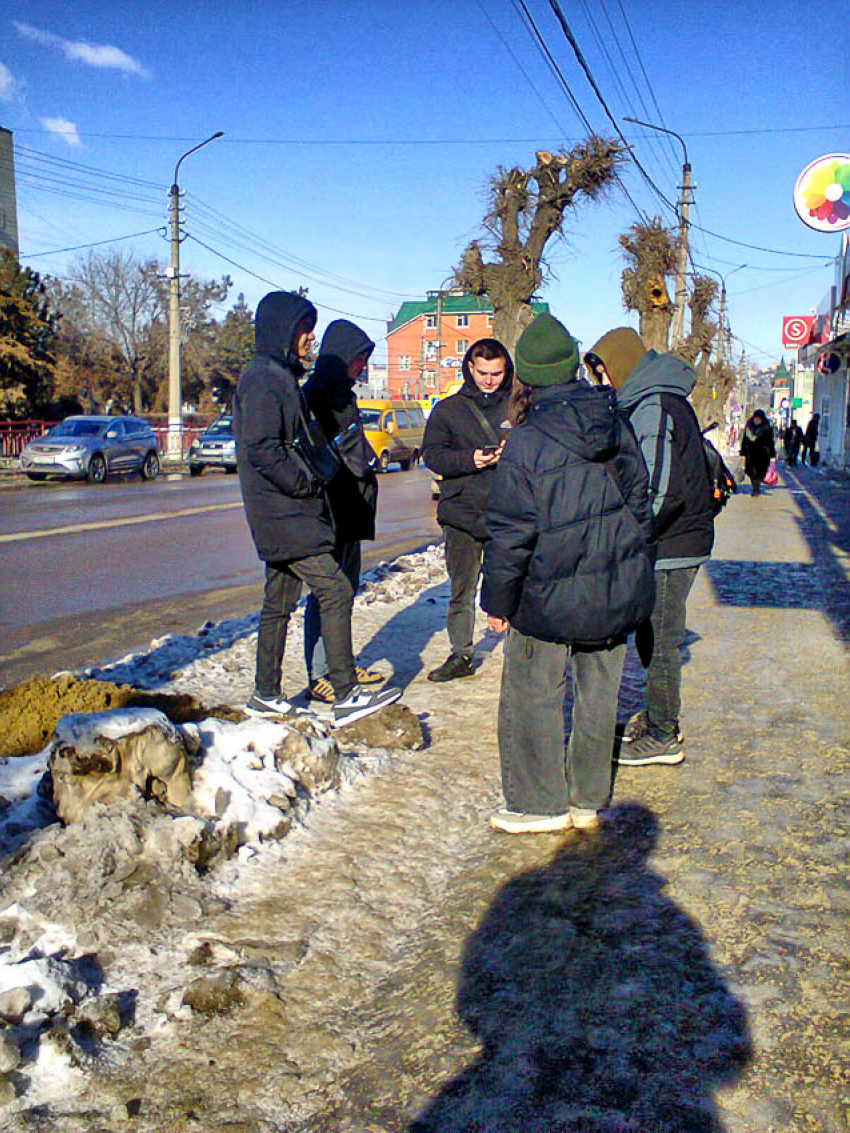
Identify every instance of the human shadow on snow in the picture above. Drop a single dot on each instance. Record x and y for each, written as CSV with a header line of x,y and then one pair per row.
x,y
403,638
595,1001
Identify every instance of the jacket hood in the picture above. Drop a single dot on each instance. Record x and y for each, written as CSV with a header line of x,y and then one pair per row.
x,y
756,428
275,323
469,385
581,418
341,343
657,373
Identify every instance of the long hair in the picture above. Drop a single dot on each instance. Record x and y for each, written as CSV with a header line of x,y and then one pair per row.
x,y
519,401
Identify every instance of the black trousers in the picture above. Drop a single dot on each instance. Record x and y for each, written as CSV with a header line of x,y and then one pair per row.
x,y
463,562
335,595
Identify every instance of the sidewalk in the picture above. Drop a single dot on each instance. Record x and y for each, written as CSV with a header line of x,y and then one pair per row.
x,y
683,970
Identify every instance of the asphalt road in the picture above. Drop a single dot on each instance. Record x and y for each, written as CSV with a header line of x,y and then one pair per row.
x,y
89,573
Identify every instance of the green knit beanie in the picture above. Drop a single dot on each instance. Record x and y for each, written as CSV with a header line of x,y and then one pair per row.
x,y
546,354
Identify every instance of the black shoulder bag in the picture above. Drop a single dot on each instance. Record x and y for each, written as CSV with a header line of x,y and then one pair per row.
x,y
312,450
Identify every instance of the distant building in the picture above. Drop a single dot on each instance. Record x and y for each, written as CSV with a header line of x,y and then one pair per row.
x,y
427,339
8,198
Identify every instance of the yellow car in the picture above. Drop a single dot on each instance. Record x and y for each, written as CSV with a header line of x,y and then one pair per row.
x,y
394,429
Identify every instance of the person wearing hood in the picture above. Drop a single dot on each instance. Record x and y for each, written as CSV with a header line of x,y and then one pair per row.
x,y
288,512
757,449
810,441
463,442
653,393
568,574
353,492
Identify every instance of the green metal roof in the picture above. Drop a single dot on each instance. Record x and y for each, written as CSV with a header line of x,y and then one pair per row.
x,y
453,304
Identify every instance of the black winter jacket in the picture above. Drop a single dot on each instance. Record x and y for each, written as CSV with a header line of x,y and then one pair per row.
x,y
757,448
452,434
569,522
353,492
287,511
655,399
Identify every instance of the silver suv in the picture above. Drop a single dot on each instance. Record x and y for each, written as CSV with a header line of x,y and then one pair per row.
x,y
92,448
214,448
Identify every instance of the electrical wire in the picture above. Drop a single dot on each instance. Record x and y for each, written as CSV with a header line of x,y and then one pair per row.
x,y
93,244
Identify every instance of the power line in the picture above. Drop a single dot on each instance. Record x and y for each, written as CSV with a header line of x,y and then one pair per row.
x,y
93,244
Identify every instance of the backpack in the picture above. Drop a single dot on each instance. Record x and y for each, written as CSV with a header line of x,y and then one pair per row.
x,y
720,479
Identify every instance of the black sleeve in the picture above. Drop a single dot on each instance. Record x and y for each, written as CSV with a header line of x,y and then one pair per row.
x,y
443,450
266,422
512,525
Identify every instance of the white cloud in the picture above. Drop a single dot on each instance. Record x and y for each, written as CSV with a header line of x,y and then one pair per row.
x,y
63,129
8,86
78,51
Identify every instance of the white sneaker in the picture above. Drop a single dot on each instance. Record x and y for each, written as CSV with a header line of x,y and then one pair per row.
x,y
360,703
515,822
267,706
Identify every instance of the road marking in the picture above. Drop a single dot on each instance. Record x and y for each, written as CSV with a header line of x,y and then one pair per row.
x,y
76,528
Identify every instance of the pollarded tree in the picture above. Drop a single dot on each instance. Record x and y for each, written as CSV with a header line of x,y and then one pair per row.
x,y
527,208
651,256
27,338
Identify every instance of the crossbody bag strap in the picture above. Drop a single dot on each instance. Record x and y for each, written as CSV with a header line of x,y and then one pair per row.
x,y
492,435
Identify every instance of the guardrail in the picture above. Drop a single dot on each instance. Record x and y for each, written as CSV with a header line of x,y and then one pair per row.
x,y
15,434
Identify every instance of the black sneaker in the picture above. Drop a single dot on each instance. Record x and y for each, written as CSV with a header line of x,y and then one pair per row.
x,y
639,726
456,665
653,747
267,706
360,703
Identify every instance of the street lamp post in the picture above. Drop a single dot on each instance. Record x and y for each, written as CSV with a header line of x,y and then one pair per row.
x,y
175,391
721,327
684,208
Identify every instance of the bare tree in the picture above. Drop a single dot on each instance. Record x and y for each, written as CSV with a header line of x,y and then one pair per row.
x,y
651,256
527,208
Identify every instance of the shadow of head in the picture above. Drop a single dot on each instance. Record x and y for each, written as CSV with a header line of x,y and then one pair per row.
x,y
593,994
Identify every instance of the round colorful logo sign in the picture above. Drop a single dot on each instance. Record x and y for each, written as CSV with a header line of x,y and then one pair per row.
x,y
822,193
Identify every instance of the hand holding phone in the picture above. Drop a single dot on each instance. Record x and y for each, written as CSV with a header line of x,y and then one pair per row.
x,y
488,450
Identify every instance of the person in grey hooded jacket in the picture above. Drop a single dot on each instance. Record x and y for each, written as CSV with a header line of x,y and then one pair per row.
x,y
653,392
288,511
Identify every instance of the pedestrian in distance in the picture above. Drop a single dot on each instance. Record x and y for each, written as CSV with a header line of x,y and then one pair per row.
x,y
809,444
353,492
652,391
792,440
568,574
463,442
757,449
287,508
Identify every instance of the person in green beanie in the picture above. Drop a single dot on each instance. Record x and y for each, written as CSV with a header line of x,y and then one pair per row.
x,y
568,575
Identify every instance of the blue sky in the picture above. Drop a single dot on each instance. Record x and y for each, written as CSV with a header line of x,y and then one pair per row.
x,y
360,136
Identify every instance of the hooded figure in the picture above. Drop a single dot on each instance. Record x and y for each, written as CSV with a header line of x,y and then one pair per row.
x,y
287,512
568,570
462,444
653,393
353,493
757,449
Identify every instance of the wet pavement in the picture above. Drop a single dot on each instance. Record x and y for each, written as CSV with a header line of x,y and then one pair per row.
x,y
684,969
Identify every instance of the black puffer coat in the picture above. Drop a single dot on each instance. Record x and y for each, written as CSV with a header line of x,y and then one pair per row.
x,y
353,492
287,511
757,447
569,522
452,435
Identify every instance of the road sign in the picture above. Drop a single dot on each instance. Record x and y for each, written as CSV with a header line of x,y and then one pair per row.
x,y
796,329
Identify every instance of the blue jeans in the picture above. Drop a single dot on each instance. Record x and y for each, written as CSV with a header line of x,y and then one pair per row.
x,y
315,656
664,678
536,778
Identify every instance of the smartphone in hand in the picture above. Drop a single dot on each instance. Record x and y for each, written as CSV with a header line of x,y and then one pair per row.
x,y
488,450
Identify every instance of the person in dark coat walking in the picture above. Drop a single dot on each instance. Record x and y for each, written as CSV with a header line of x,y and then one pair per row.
x,y
463,442
353,493
652,390
792,440
568,574
810,441
288,511
757,449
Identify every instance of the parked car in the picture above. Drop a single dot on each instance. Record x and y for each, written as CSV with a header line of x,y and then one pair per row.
x,y
394,429
92,448
214,448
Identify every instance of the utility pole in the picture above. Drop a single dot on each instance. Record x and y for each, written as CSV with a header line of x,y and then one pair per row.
x,y
175,391
439,342
683,208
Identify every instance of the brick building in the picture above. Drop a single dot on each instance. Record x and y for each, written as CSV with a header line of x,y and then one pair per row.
x,y
427,339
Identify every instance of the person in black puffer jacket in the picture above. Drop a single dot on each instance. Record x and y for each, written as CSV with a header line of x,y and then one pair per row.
x,y
353,492
288,511
568,573
463,443
757,449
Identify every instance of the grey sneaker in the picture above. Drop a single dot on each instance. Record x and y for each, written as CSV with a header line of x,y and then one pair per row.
x,y
267,706
360,703
515,822
639,726
652,747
